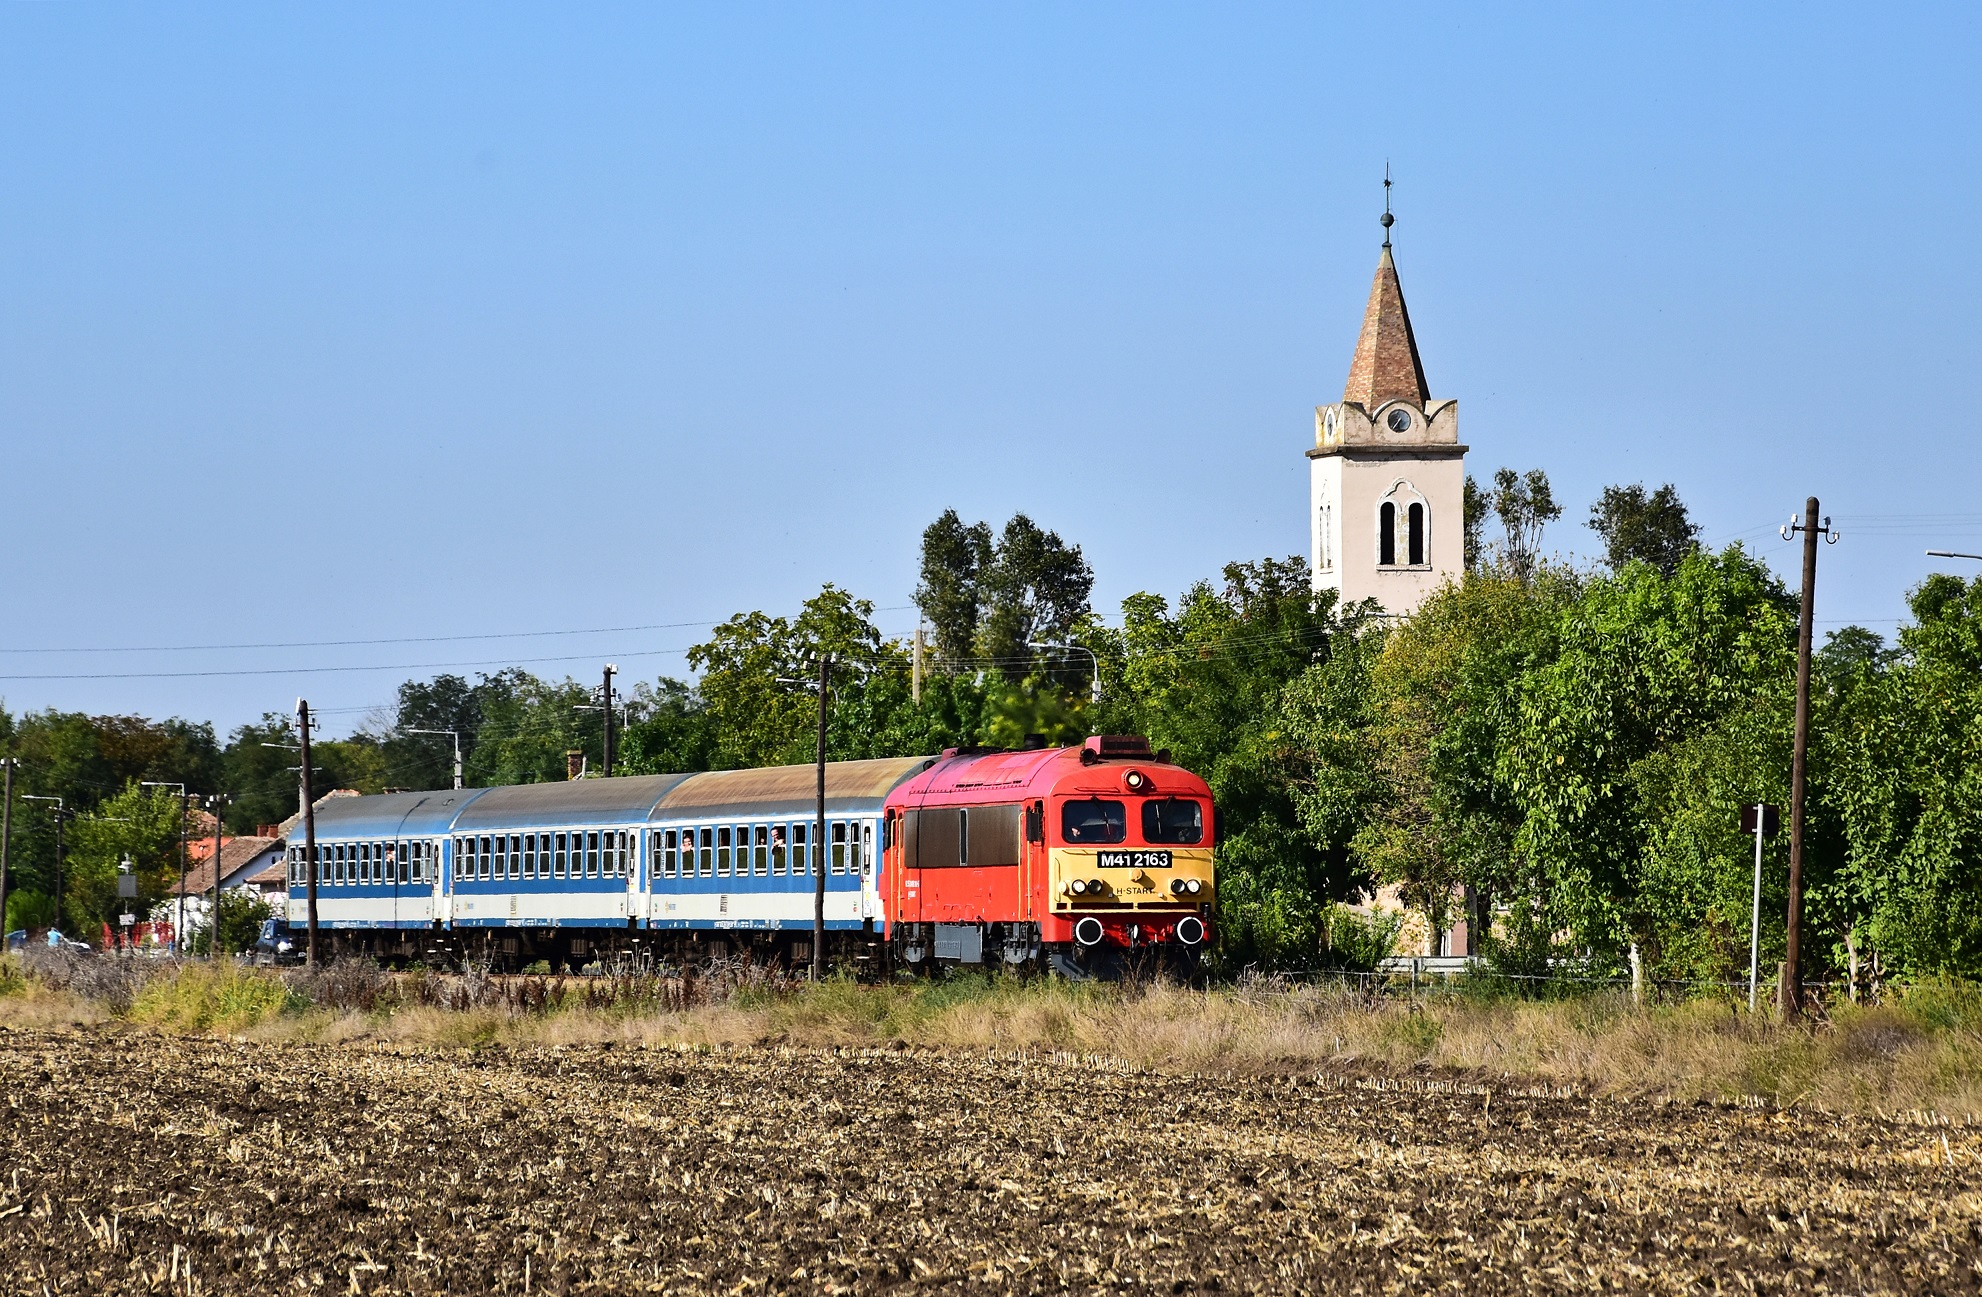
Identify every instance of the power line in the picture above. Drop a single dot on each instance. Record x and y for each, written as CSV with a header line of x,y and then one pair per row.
x,y
297,671
352,643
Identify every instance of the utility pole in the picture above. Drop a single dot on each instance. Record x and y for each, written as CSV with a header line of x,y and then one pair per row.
x,y
310,822
6,831
217,802
915,669
822,850
1792,970
605,700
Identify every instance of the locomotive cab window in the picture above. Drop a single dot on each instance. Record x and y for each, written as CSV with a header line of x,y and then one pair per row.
x,y
1094,821
1172,820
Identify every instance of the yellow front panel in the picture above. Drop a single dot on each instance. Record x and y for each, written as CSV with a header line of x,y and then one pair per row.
x,y
1140,884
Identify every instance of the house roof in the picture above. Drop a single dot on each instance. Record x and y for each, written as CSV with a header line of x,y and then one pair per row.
x,y
236,854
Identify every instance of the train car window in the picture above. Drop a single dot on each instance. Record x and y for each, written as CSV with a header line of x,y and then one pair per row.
x,y
1035,823
799,864
667,854
1172,820
405,855
722,852
761,857
529,855
991,836
867,849
779,862
708,868
1094,820
485,861
516,855
364,864
557,856
839,847
500,869
619,855
592,855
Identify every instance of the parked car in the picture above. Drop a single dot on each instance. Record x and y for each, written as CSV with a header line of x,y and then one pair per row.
x,y
277,944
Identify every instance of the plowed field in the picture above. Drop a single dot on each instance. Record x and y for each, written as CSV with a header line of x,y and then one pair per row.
x,y
138,1163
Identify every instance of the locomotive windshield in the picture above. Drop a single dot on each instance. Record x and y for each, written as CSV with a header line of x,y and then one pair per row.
x,y
1172,820
1094,821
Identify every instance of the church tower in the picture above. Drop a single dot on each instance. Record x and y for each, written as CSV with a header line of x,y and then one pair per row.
x,y
1388,475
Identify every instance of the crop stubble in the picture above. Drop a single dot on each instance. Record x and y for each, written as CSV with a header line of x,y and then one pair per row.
x,y
139,1163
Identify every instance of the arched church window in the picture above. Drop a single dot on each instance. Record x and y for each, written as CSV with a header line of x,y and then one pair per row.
x,y
1417,533
1386,535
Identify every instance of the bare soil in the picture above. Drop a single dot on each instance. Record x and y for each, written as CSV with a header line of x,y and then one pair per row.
x,y
140,1163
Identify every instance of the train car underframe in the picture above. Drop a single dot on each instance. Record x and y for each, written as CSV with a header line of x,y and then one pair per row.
x,y
1121,951
605,950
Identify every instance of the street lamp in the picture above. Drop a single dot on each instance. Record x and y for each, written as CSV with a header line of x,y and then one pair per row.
x,y
457,749
1948,553
61,811
1095,693
178,928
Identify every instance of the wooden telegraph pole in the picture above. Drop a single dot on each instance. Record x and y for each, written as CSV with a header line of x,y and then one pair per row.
x,y
821,849
1792,968
6,829
605,701
309,824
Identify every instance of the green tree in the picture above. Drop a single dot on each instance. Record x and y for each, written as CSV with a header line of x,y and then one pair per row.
x,y
241,916
1035,591
756,669
1907,739
1639,527
138,824
1525,505
955,557
1646,662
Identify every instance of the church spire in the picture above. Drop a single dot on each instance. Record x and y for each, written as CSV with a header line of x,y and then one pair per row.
x,y
1386,365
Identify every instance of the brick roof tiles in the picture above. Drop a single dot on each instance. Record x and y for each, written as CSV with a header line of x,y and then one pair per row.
x,y
1386,365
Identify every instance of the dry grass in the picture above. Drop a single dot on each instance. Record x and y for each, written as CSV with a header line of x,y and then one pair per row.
x,y
1920,1051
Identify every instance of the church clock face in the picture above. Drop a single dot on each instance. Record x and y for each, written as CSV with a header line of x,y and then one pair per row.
x,y
1399,421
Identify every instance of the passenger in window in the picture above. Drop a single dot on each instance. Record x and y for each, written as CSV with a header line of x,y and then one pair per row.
x,y
778,865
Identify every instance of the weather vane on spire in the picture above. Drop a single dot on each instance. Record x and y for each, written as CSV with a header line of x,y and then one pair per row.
x,y
1388,219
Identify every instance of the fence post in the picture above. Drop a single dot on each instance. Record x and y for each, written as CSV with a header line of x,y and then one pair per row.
x,y
1637,977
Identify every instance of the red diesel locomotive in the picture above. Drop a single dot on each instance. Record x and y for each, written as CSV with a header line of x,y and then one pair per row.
x,y
1080,859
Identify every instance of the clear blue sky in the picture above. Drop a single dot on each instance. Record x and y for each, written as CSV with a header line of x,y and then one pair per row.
x,y
373,321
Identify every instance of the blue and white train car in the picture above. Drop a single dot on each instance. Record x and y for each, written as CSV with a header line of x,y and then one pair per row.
x,y
680,867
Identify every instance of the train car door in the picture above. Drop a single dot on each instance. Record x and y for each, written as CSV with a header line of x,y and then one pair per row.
x,y
636,863
870,896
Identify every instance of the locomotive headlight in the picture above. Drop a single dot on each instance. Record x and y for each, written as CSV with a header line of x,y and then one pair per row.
x,y
1095,887
1136,781
1194,886
1078,887
1177,886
